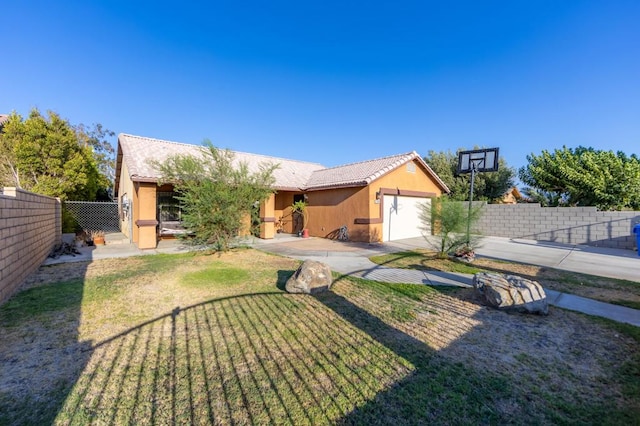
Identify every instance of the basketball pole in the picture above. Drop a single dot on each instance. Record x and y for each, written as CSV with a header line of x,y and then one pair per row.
x,y
473,176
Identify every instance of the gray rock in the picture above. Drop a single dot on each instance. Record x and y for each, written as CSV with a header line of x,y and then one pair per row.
x,y
311,277
510,292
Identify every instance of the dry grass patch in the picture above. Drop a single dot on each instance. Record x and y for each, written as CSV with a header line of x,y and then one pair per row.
x,y
199,339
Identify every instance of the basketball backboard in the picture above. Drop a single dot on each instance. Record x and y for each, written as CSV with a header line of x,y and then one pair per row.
x,y
479,160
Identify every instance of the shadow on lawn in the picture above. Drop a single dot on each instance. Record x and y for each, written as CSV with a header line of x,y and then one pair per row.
x,y
267,358
273,358
40,351
258,359
436,391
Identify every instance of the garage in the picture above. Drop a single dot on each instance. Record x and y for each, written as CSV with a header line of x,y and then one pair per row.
x,y
402,217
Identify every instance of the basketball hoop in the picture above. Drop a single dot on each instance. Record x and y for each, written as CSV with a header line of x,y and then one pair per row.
x,y
477,160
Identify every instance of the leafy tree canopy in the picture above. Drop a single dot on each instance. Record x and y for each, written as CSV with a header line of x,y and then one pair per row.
x,y
96,139
486,187
583,177
216,193
49,156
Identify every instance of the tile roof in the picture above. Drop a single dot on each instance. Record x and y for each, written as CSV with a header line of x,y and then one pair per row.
x,y
137,151
3,118
364,172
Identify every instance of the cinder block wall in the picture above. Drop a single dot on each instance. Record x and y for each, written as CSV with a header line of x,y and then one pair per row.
x,y
30,226
571,225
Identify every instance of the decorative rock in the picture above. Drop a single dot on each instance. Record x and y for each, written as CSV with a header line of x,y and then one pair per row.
x,y
62,250
311,277
510,292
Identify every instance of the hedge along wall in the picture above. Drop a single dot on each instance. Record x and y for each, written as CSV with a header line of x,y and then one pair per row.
x,y
571,225
30,226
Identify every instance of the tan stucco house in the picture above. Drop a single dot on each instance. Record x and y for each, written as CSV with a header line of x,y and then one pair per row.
x,y
3,119
377,199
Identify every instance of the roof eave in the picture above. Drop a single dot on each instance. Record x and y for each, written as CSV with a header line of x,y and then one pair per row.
x,y
143,179
337,186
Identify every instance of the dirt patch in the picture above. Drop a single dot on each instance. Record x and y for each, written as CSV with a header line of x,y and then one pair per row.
x,y
69,271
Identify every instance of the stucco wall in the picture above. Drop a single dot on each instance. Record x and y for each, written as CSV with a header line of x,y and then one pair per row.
x,y
404,178
571,225
30,226
331,209
359,208
125,189
267,225
144,214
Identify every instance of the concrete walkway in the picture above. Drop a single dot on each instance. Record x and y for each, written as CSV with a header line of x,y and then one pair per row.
x,y
116,247
352,259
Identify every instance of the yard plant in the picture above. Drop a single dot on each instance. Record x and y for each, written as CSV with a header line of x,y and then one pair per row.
x,y
217,193
197,339
450,221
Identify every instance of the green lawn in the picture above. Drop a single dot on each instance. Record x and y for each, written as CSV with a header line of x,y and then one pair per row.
x,y
197,339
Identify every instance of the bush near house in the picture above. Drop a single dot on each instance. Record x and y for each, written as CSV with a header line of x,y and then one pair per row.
x,y
215,193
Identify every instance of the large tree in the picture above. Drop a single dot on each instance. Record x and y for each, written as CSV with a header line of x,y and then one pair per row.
x,y
49,156
216,193
583,177
489,187
96,139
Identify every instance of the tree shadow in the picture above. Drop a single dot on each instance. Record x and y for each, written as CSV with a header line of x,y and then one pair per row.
x,y
41,353
455,380
420,397
272,358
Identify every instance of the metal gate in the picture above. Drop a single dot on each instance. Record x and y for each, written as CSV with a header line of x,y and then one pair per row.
x,y
95,215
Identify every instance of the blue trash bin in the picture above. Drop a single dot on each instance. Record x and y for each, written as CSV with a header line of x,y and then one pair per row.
x,y
636,230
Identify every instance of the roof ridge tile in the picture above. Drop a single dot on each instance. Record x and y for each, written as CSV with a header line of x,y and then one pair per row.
x,y
369,161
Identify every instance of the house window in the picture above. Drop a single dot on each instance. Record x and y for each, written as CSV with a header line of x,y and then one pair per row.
x,y
411,167
169,207
169,214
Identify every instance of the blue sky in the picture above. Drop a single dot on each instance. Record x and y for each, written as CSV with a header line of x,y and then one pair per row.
x,y
334,82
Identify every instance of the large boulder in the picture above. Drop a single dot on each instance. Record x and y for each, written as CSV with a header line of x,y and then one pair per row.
x,y
311,277
510,292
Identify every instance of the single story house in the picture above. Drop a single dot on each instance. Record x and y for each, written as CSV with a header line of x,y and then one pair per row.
x,y
512,196
3,119
377,200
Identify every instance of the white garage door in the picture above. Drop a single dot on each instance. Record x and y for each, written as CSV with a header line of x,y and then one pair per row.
x,y
401,217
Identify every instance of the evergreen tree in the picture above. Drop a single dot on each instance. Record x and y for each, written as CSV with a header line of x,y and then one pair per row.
x,y
584,177
44,155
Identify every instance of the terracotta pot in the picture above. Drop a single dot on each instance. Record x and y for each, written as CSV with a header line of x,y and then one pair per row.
x,y
305,233
99,241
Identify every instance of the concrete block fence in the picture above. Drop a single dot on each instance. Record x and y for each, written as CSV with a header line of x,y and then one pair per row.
x,y
30,226
571,225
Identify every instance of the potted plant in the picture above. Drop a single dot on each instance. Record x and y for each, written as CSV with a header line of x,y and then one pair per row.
x,y
98,237
301,207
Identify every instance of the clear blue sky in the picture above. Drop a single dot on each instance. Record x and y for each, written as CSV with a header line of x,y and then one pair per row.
x,y
334,82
